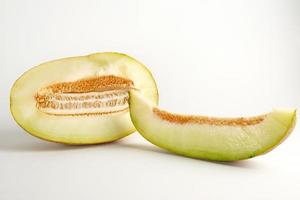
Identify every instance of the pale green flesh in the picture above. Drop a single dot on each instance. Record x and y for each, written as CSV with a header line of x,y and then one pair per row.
x,y
78,129
211,142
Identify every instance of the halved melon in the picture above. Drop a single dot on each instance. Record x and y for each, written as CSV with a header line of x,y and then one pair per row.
x,y
80,100
221,139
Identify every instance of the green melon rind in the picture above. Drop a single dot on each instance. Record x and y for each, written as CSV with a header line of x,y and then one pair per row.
x,y
290,128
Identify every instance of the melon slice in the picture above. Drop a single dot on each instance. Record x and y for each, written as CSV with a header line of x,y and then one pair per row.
x,y
80,100
210,138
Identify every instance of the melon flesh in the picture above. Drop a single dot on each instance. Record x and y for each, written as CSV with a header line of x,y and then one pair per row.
x,y
209,138
81,77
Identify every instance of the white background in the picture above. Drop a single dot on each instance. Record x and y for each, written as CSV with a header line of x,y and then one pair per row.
x,y
223,58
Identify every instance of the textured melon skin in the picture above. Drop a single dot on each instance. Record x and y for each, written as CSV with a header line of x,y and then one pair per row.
x,y
211,142
79,129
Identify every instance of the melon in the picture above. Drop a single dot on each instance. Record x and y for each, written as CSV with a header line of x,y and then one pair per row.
x,y
80,100
210,138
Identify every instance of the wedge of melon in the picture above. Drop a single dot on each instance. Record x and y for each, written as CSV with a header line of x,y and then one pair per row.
x,y
80,100
209,138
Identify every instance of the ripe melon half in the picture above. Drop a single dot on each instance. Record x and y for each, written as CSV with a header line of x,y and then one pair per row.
x,y
210,138
80,100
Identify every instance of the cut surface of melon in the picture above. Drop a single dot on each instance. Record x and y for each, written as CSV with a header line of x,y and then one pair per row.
x,y
210,138
80,100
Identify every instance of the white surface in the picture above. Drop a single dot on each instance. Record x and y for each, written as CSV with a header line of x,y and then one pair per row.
x,y
208,57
